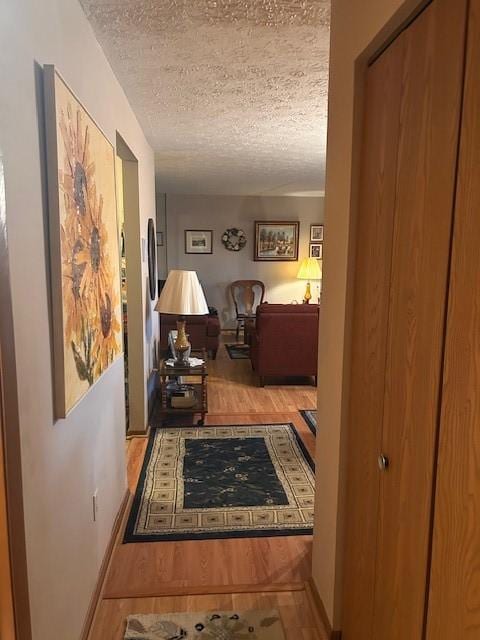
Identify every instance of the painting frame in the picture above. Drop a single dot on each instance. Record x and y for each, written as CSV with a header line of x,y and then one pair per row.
x,y
194,239
316,250
276,251
316,233
84,245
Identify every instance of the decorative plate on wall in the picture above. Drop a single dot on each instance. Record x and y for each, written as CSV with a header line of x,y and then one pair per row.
x,y
234,239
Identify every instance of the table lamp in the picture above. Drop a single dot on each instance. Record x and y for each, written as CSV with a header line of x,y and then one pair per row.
x,y
182,295
309,270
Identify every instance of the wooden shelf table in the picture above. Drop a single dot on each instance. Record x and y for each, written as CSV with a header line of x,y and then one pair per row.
x,y
167,373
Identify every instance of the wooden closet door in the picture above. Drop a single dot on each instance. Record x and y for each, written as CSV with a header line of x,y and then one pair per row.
x,y
408,167
369,338
454,602
426,174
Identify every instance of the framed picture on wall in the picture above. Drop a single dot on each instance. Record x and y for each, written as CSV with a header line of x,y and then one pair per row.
x,y
316,233
84,251
316,250
198,241
276,241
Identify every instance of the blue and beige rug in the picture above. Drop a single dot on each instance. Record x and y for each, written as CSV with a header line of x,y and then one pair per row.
x,y
223,482
212,625
238,351
310,417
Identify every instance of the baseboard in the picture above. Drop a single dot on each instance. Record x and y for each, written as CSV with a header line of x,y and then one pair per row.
x,y
138,433
97,592
319,609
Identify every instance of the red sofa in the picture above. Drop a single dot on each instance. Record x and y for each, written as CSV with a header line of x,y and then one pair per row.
x,y
203,332
284,340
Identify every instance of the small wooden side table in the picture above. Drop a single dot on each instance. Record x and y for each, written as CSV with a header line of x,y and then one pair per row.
x,y
168,372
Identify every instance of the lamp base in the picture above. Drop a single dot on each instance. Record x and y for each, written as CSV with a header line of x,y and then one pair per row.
x,y
308,294
182,345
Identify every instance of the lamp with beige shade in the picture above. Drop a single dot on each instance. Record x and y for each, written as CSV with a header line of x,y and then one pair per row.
x,y
182,295
310,269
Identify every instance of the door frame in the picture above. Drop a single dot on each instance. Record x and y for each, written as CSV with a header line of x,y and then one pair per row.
x,y
7,613
10,439
138,396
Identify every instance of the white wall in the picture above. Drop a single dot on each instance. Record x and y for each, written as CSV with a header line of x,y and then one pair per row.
x,y
358,29
63,462
218,270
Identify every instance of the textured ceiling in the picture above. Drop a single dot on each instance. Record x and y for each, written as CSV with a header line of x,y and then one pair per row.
x,y
232,94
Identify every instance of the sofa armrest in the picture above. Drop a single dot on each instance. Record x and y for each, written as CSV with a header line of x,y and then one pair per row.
x,y
213,326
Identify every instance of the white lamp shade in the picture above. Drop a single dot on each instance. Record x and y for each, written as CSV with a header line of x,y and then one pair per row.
x,y
182,295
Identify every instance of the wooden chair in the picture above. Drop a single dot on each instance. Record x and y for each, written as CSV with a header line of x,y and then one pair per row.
x,y
246,295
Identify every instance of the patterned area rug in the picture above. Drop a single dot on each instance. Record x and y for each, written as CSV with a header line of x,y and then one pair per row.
x,y
238,351
310,417
223,482
221,625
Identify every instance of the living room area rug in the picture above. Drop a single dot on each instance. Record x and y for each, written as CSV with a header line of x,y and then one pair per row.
x,y
225,481
238,351
212,625
310,417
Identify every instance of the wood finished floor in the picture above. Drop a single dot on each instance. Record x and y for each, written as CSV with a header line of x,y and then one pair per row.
x,y
169,576
233,388
298,618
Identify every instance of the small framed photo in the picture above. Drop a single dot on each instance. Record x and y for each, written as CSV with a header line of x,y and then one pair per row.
x,y
316,233
198,241
159,238
316,250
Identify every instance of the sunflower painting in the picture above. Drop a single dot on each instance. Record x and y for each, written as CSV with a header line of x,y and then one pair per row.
x,y
84,245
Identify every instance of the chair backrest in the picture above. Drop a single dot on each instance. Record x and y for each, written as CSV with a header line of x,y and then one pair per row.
x,y
247,295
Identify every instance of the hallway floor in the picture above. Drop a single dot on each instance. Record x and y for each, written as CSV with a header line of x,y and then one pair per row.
x,y
240,573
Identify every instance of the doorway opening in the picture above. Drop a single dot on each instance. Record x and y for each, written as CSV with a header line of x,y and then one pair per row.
x,y
128,211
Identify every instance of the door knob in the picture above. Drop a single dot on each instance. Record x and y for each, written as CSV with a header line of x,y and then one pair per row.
x,y
383,462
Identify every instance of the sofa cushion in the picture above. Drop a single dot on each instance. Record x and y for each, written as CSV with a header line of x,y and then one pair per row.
x,y
288,308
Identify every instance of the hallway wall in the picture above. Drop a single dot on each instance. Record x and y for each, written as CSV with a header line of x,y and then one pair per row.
x,y
218,270
63,461
358,29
